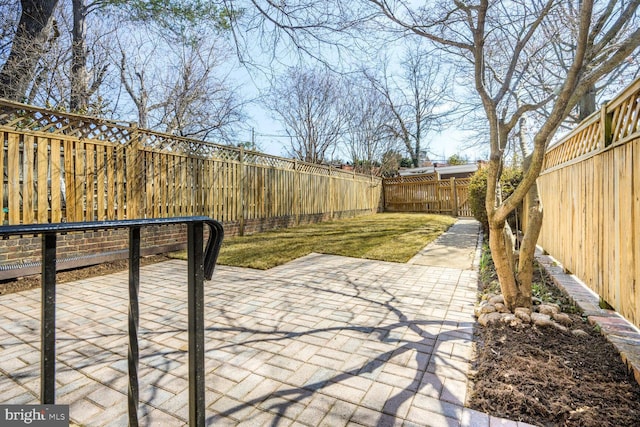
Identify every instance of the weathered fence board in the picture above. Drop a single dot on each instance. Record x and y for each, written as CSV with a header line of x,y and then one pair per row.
x,y
590,191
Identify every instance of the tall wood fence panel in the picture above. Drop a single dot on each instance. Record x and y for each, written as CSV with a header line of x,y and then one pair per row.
x,y
590,191
64,167
426,193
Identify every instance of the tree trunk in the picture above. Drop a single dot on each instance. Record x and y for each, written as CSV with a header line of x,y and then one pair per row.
x,y
79,84
528,247
501,241
587,103
27,49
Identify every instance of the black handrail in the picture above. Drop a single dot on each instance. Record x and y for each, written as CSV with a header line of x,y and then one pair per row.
x,y
200,266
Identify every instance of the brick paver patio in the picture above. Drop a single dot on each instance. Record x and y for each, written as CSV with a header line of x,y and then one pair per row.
x,y
323,340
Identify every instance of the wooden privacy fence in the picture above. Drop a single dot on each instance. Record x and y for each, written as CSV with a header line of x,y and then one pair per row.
x,y
63,167
427,193
590,191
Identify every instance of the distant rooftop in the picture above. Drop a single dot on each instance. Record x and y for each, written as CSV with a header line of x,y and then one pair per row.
x,y
441,170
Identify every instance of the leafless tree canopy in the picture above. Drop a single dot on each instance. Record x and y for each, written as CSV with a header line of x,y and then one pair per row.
x,y
311,104
523,57
418,97
367,137
83,56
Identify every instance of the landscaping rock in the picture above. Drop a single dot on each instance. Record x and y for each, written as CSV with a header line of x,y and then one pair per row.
x,y
487,318
501,308
477,311
563,319
559,327
523,314
487,297
496,299
487,308
540,319
549,309
511,320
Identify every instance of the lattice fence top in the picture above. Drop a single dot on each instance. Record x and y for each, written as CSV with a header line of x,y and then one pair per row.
x,y
427,177
255,158
616,122
583,140
312,168
625,120
30,118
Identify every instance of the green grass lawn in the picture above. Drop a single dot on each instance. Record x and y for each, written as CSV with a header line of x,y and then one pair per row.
x,y
386,237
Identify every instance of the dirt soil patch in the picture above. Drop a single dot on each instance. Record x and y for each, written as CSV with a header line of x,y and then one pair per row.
x,y
30,282
544,376
549,377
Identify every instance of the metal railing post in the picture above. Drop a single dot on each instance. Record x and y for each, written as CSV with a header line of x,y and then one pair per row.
x,y
48,321
196,323
134,319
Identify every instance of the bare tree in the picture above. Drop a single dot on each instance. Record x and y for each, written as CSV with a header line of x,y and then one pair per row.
x,y
137,75
310,104
10,11
561,34
504,41
70,79
82,89
504,45
367,136
417,98
200,104
34,29
191,98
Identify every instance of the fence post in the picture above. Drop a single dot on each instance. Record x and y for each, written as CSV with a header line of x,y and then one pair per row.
x,y
454,197
438,199
133,172
296,192
331,196
371,192
605,125
13,178
241,191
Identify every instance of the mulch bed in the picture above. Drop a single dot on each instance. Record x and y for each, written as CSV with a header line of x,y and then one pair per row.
x,y
544,376
548,377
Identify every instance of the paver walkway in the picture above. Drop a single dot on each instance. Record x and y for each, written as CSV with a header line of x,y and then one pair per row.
x,y
323,340
457,248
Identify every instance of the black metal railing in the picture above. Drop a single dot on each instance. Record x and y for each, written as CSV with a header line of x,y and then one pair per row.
x,y
200,266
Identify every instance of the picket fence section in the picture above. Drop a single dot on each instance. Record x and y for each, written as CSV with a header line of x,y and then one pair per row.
x,y
63,168
590,191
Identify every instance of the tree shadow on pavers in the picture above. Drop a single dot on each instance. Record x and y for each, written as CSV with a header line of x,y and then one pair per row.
x,y
405,334
284,404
